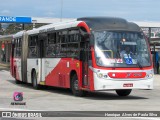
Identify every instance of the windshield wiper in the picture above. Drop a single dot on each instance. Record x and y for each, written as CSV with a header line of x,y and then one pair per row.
x,y
139,64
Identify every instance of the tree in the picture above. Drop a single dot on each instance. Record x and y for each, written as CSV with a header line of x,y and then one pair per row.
x,y
16,27
1,30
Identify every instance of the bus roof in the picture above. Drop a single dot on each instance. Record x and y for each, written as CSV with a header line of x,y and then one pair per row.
x,y
57,26
109,23
94,23
18,34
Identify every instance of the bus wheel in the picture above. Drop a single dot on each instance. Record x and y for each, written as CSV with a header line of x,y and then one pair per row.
x,y
34,81
75,88
123,92
16,81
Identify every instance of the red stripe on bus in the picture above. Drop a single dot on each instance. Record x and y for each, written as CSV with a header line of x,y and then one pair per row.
x,y
83,24
127,74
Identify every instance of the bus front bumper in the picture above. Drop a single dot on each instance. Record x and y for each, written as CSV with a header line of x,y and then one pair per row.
x,y
113,84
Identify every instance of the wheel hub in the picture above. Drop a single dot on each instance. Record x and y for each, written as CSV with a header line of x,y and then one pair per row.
x,y
76,84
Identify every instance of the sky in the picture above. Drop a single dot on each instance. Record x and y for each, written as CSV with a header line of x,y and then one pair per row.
x,y
134,10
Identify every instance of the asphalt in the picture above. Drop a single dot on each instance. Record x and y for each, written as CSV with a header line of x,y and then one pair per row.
x,y
57,99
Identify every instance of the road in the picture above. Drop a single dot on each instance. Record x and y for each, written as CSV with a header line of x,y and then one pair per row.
x,y
56,99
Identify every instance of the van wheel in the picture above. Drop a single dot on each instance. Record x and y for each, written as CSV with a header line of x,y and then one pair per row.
x,y
34,81
75,88
123,92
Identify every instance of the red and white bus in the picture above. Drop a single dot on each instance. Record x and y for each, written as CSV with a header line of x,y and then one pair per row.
x,y
87,54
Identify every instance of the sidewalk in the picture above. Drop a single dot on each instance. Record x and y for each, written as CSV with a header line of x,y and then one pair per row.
x,y
4,66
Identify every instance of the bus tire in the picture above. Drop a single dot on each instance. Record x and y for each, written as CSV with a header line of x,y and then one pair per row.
x,y
124,92
34,81
75,88
16,81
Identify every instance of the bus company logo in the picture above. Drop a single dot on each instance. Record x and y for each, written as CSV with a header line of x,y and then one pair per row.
x,y
18,98
128,75
137,74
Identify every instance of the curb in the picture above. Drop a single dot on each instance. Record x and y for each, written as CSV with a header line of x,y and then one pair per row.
x,y
4,65
6,69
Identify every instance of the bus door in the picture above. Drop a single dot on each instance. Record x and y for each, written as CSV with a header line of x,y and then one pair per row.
x,y
11,58
84,56
18,59
41,61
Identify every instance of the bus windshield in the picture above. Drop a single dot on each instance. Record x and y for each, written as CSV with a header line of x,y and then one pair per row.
x,y
121,49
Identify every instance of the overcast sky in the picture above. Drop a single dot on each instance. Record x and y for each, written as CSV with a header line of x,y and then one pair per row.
x,y
139,10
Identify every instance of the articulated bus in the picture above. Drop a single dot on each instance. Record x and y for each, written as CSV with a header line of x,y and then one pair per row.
x,y
86,54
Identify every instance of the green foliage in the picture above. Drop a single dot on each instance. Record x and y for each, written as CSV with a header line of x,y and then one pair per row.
x,y
1,31
14,28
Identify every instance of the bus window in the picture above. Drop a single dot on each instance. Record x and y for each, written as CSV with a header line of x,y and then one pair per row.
x,y
19,45
73,43
73,50
51,45
32,51
52,38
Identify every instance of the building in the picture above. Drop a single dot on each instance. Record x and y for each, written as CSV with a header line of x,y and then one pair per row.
x,y
5,48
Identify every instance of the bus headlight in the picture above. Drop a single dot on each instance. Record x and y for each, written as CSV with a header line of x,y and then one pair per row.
x,y
101,75
150,75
